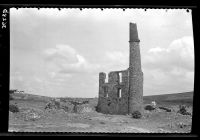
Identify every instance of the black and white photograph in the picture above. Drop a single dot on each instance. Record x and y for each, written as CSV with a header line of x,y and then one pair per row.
x,y
101,70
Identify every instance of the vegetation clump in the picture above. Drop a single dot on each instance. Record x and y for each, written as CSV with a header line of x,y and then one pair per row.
x,y
136,115
183,110
13,108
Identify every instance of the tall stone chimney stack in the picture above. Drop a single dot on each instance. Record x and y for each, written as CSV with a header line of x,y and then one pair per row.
x,y
135,72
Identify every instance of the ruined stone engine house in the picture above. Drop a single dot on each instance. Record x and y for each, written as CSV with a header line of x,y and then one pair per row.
x,y
123,93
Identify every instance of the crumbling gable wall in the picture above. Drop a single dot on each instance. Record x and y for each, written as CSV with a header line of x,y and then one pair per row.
x,y
113,95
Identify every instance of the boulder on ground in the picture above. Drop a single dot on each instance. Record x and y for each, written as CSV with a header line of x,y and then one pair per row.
x,y
149,107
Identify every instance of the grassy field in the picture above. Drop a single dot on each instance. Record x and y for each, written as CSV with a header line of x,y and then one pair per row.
x,y
171,99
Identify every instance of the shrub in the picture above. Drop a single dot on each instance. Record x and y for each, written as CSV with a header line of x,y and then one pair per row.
x,y
183,110
13,108
136,115
149,107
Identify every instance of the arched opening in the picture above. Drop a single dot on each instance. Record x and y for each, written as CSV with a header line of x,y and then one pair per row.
x,y
119,92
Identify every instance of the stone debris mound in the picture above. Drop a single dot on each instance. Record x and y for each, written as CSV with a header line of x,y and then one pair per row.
x,y
58,105
69,106
86,109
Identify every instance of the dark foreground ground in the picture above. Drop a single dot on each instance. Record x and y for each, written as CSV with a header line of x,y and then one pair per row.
x,y
32,116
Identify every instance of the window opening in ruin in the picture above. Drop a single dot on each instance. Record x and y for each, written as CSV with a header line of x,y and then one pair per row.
x,y
120,77
106,79
106,95
119,92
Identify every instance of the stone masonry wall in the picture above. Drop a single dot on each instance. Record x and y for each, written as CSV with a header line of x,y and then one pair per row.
x,y
135,79
131,86
110,101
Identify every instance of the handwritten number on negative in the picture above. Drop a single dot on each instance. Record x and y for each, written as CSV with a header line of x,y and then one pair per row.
x,y
4,18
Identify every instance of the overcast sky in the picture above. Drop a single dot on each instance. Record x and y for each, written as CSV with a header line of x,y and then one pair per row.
x,y
60,53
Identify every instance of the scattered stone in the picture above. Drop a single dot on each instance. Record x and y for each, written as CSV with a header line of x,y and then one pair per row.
x,y
31,115
182,125
81,107
165,108
57,105
86,110
69,106
153,103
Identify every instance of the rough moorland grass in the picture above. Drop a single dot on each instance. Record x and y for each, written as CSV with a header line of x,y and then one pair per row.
x,y
13,108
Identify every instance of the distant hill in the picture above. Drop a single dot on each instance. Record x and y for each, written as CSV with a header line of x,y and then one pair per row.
x,y
172,99
30,97
165,99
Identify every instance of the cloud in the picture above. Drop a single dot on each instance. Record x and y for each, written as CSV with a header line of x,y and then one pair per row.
x,y
171,67
62,52
180,53
68,60
113,60
117,57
